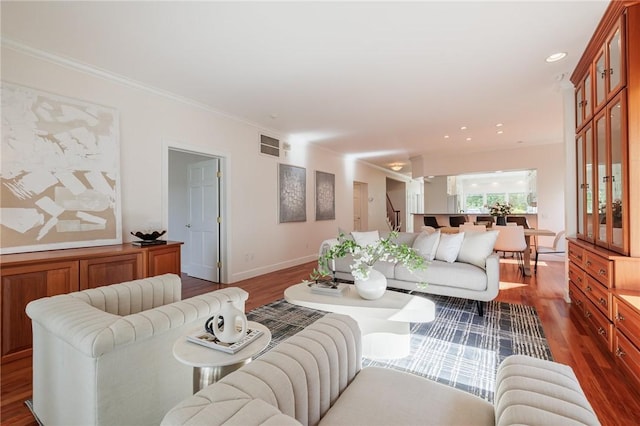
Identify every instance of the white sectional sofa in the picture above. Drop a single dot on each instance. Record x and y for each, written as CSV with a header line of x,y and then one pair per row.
x,y
474,272
316,378
104,356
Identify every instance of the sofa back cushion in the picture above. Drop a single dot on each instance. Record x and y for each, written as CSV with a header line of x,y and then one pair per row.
x,y
449,247
476,247
426,244
135,296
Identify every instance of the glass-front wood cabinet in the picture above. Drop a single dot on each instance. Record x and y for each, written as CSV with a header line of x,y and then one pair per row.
x,y
584,107
610,149
609,66
584,160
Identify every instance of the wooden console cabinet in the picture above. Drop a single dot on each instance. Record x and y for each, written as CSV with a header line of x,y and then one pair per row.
x,y
604,256
29,276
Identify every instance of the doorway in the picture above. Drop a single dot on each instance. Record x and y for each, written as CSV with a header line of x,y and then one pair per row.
x,y
360,206
195,210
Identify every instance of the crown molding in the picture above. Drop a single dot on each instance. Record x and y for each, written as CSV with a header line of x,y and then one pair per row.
x,y
122,80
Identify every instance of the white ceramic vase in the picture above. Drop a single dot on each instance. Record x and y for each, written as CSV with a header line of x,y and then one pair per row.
x,y
372,288
231,315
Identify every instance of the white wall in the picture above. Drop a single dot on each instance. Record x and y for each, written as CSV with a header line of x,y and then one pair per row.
x,y
148,120
548,160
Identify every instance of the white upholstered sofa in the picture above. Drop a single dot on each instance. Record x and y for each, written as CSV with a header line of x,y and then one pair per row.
x,y
316,377
104,356
472,272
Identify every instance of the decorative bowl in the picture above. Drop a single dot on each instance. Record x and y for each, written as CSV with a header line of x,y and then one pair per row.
x,y
149,237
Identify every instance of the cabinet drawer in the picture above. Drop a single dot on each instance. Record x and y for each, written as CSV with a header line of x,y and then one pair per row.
x,y
627,355
577,298
576,254
598,268
626,319
599,325
576,275
599,295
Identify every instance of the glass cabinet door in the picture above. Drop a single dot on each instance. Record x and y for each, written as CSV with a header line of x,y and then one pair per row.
x,y
600,75
581,185
617,147
579,106
615,57
588,183
601,178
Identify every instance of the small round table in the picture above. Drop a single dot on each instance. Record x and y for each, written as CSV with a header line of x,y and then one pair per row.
x,y
210,365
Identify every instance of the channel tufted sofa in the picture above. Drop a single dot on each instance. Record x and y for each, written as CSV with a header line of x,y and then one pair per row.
x,y
104,356
473,273
316,378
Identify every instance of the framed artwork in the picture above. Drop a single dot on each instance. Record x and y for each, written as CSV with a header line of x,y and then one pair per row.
x,y
60,174
292,193
325,196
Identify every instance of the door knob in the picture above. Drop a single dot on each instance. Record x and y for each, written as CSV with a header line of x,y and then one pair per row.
x,y
188,225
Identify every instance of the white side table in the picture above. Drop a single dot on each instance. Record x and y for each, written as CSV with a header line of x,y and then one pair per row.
x,y
210,365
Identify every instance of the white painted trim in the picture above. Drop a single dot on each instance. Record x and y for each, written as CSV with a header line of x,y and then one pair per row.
x,y
226,248
251,273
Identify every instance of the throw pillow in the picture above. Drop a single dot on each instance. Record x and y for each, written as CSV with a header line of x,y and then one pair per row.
x,y
426,244
366,238
449,247
476,247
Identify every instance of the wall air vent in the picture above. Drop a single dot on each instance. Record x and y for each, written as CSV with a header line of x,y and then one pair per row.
x,y
269,146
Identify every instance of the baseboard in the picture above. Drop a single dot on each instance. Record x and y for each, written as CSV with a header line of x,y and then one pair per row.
x,y
250,273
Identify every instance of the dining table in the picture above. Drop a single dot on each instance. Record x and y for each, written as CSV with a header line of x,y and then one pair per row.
x,y
528,233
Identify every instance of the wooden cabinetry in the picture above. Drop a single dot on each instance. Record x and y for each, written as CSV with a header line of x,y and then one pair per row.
x,y
626,308
29,276
604,257
607,135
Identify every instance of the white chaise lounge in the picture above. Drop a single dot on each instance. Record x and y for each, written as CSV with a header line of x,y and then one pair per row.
x,y
316,377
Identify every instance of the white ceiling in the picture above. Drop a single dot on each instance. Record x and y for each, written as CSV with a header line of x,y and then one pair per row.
x,y
381,80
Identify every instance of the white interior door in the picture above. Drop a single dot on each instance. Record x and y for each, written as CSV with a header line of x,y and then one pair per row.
x,y
203,226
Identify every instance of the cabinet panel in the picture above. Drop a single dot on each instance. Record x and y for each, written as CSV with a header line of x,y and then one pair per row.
x,y
21,285
576,254
107,270
627,355
599,268
599,325
626,319
164,260
599,296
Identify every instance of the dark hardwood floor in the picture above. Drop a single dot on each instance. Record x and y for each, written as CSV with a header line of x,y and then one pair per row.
x,y
615,399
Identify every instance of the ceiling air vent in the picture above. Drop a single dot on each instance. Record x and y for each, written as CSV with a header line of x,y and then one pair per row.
x,y
269,146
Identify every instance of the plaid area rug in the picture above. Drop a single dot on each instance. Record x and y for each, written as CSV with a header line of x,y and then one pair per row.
x,y
459,348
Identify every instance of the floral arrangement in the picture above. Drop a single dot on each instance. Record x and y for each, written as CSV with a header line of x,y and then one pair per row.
x,y
500,209
365,256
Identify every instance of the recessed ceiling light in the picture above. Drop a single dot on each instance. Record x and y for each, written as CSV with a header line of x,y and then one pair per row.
x,y
468,139
446,136
499,125
556,56
463,128
396,167
500,132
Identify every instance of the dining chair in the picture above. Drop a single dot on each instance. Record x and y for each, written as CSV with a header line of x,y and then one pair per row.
x,y
519,220
431,221
456,221
488,219
554,249
511,240
471,227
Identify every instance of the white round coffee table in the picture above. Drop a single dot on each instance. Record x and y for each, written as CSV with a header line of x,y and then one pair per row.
x,y
385,323
210,365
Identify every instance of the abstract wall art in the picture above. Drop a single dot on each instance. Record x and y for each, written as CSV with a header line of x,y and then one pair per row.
x,y
60,182
292,188
325,196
